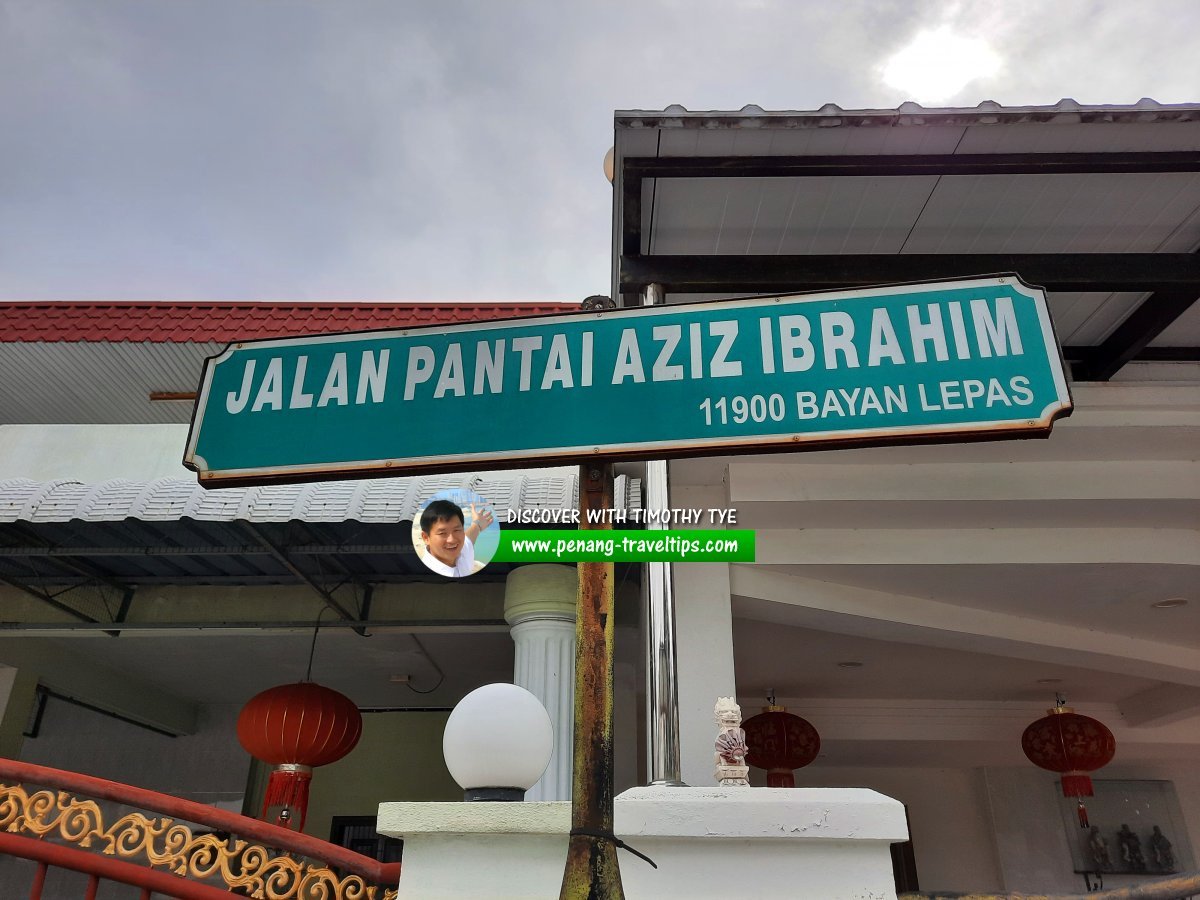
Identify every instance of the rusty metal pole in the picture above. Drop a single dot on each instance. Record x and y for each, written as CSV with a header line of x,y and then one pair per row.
x,y
592,871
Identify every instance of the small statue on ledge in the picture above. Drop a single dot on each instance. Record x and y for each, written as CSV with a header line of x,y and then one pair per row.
x,y
1131,850
1098,847
1160,849
730,744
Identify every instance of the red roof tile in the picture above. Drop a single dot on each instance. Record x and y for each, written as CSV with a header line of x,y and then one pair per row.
x,y
224,322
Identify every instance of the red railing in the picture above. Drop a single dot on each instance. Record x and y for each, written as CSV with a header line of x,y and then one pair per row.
x,y
102,867
70,821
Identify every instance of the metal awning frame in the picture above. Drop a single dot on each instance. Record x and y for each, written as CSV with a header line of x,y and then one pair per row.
x,y
68,568
343,576
1174,278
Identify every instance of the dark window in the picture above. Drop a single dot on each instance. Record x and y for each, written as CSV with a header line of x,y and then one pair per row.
x,y
358,834
904,863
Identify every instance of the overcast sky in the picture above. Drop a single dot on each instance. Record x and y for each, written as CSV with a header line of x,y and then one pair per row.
x,y
438,151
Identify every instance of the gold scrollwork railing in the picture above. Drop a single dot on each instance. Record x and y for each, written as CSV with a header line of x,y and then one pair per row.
x,y
165,842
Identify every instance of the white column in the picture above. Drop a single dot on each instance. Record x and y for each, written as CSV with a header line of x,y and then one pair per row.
x,y
539,604
704,631
705,628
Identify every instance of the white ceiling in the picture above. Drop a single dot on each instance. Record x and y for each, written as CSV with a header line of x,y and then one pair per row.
x,y
1114,597
803,662
998,213
57,383
1093,213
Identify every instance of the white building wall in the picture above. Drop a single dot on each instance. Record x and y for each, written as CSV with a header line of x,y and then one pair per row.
x,y
947,817
1030,838
93,452
997,829
207,767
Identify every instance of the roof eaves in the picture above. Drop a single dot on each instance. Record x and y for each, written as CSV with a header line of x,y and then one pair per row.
x,y
831,115
374,500
181,322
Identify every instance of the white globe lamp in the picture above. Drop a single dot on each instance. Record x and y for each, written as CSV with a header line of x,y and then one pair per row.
x,y
498,742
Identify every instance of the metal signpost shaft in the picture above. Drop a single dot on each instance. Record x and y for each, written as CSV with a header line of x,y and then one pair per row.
x,y
662,691
592,871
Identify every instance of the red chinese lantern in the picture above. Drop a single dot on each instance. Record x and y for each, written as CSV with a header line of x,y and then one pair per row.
x,y
296,727
778,741
1066,742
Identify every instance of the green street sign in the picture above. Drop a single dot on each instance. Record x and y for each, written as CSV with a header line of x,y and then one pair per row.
x,y
947,361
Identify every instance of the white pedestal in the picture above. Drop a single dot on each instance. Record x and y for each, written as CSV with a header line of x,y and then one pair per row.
x,y
819,843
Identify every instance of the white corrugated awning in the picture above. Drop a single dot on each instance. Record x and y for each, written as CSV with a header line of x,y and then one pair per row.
x,y
64,533
376,500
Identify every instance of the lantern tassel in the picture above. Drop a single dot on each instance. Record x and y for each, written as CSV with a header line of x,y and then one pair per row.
x,y
287,791
781,778
1076,784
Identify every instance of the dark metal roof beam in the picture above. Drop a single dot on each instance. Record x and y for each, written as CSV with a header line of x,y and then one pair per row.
x,y
1168,354
367,590
292,624
48,600
122,611
79,568
1080,358
916,164
282,579
1142,326
1079,353
332,558
283,558
1099,272
90,573
236,550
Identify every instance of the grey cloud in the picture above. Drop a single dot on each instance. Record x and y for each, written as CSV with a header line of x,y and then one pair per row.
x,y
422,151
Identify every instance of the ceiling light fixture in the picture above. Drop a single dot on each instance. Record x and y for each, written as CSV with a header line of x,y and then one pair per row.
x,y
850,664
1170,603
1049,681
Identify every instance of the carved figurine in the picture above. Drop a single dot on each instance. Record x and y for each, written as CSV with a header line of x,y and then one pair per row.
x,y
1131,850
1098,847
730,744
1160,850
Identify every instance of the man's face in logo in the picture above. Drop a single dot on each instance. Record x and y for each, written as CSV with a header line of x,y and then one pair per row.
x,y
445,540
